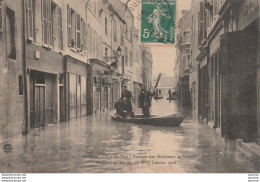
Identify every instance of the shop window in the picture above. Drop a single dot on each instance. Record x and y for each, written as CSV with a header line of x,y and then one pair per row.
x,y
10,26
20,80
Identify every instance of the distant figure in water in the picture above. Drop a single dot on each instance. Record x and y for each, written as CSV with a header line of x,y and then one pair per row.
x,y
169,93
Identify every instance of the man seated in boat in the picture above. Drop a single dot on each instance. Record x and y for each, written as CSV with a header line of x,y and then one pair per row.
x,y
128,96
123,109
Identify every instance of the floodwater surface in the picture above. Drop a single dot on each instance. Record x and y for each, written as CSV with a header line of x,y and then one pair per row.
x,y
96,144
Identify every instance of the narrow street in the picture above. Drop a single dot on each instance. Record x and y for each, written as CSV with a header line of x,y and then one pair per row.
x,y
98,144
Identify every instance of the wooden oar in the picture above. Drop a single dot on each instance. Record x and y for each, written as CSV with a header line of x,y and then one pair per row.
x,y
157,81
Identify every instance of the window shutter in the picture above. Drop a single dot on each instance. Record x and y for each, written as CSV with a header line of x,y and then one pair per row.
x,y
201,23
60,32
30,26
69,24
88,39
101,46
78,36
81,34
84,36
50,24
215,8
2,18
45,22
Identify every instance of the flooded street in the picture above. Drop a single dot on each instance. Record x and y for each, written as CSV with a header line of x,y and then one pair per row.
x,y
98,144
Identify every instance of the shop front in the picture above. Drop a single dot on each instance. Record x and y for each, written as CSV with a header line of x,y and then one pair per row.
x,y
101,85
44,74
78,88
203,86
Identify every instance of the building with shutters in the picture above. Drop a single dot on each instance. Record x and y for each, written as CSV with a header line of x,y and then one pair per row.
x,y
126,34
183,63
137,67
228,89
62,60
58,73
147,65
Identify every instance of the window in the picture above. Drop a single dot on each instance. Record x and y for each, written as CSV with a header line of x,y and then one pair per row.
x,y
20,80
69,25
76,31
130,34
83,36
114,31
106,51
201,27
73,28
97,47
121,36
10,29
94,42
30,19
126,56
126,31
88,39
91,41
60,31
130,58
46,22
106,26
215,7
100,46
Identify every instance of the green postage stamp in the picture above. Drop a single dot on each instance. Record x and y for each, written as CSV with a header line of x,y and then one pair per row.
x,y
158,21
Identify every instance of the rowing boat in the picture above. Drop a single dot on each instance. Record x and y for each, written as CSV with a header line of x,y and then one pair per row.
x,y
156,120
158,97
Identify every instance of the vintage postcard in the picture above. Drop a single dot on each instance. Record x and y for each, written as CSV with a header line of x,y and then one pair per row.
x,y
129,86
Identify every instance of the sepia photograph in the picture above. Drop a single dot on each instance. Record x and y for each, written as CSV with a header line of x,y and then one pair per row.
x,y
129,86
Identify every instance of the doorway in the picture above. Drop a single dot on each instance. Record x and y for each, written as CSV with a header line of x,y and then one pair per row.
x,y
39,106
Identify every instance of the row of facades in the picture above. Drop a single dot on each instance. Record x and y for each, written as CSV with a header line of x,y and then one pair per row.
x,y
217,67
61,60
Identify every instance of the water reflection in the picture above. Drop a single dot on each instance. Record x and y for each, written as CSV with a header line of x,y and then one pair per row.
x,y
98,144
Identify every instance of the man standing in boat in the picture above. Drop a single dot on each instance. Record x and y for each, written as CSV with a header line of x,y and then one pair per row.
x,y
145,101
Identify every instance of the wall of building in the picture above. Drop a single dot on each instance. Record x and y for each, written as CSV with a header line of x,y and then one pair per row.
x,y
194,52
11,71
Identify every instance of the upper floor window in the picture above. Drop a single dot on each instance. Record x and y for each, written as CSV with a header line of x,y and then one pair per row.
x,y
130,58
114,30
106,51
76,30
106,26
51,18
121,36
10,33
126,31
126,56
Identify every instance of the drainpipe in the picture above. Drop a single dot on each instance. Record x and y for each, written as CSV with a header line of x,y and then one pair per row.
x,y
25,72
